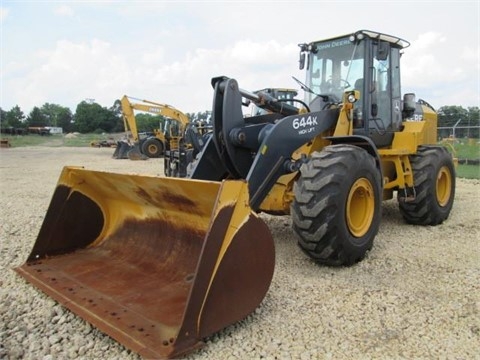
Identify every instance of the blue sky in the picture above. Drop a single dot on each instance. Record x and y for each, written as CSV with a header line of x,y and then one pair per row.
x,y
63,52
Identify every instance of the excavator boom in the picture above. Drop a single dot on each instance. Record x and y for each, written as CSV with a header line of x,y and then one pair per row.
x,y
155,145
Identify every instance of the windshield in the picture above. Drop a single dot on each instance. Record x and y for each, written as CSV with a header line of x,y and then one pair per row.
x,y
171,127
336,66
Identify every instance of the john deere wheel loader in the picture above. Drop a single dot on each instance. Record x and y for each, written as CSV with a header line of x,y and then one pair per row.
x,y
161,263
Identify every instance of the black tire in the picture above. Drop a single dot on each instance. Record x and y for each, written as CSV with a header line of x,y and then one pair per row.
x,y
152,147
337,207
434,183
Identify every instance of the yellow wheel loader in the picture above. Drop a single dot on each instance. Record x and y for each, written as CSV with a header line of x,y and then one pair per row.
x,y
161,263
151,145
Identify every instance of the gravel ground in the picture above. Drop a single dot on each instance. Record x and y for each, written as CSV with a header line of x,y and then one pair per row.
x,y
416,295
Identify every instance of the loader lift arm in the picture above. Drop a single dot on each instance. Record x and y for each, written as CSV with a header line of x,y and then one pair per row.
x,y
257,149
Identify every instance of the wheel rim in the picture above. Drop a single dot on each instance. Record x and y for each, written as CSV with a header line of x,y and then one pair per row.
x,y
360,207
152,149
444,186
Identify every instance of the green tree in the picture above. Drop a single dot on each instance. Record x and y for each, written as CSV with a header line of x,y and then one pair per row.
x,y
94,118
3,119
464,119
148,122
200,116
36,118
16,117
13,118
65,119
450,115
56,115
473,120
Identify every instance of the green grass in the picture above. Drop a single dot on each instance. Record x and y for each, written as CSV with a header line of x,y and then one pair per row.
x,y
466,150
468,171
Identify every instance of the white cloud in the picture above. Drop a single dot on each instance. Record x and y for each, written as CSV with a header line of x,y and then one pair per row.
x,y
64,10
3,13
153,57
185,83
70,73
168,51
73,71
441,71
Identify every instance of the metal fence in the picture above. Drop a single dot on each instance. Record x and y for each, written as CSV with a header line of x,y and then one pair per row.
x,y
458,132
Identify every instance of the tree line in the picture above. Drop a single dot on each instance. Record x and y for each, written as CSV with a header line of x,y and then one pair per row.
x,y
90,117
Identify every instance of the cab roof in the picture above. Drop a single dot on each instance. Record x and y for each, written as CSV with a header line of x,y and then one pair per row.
x,y
360,34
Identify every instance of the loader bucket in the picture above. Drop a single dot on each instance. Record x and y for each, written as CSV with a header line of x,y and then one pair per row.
x,y
156,263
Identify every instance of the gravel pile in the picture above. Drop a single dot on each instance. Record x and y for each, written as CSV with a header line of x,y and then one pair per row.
x,y
416,295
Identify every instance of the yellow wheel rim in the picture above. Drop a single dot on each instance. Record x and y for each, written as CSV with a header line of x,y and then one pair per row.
x,y
360,207
444,186
152,148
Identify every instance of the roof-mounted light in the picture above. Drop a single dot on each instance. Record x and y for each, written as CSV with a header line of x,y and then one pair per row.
x,y
356,37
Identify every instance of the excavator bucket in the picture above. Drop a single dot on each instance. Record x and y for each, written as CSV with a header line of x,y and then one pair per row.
x,y
156,263
121,150
135,154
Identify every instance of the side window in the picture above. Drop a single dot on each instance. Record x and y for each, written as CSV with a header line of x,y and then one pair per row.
x,y
382,93
383,73
395,86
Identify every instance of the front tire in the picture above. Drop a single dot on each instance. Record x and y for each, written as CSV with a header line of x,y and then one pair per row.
x,y
434,183
337,207
152,147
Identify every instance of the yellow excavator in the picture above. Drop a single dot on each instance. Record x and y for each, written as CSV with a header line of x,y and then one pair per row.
x,y
150,145
160,263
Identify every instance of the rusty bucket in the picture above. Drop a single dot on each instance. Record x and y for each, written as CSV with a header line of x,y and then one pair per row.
x,y
156,263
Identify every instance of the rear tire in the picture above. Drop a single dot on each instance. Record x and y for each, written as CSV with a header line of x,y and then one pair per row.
x,y
337,207
434,182
153,148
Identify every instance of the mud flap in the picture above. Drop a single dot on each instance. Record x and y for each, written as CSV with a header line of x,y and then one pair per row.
x,y
156,263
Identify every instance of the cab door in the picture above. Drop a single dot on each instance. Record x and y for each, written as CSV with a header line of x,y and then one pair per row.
x,y
381,106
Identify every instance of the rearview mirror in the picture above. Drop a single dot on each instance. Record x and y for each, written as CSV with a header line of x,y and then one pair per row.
x,y
383,49
301,61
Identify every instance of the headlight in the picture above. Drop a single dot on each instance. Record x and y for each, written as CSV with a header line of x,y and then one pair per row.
x,y
351,98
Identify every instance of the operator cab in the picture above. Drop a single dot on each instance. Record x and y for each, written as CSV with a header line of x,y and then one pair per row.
x,y
366,61
171,128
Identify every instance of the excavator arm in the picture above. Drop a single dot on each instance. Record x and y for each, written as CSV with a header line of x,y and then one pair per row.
x,y
152,107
